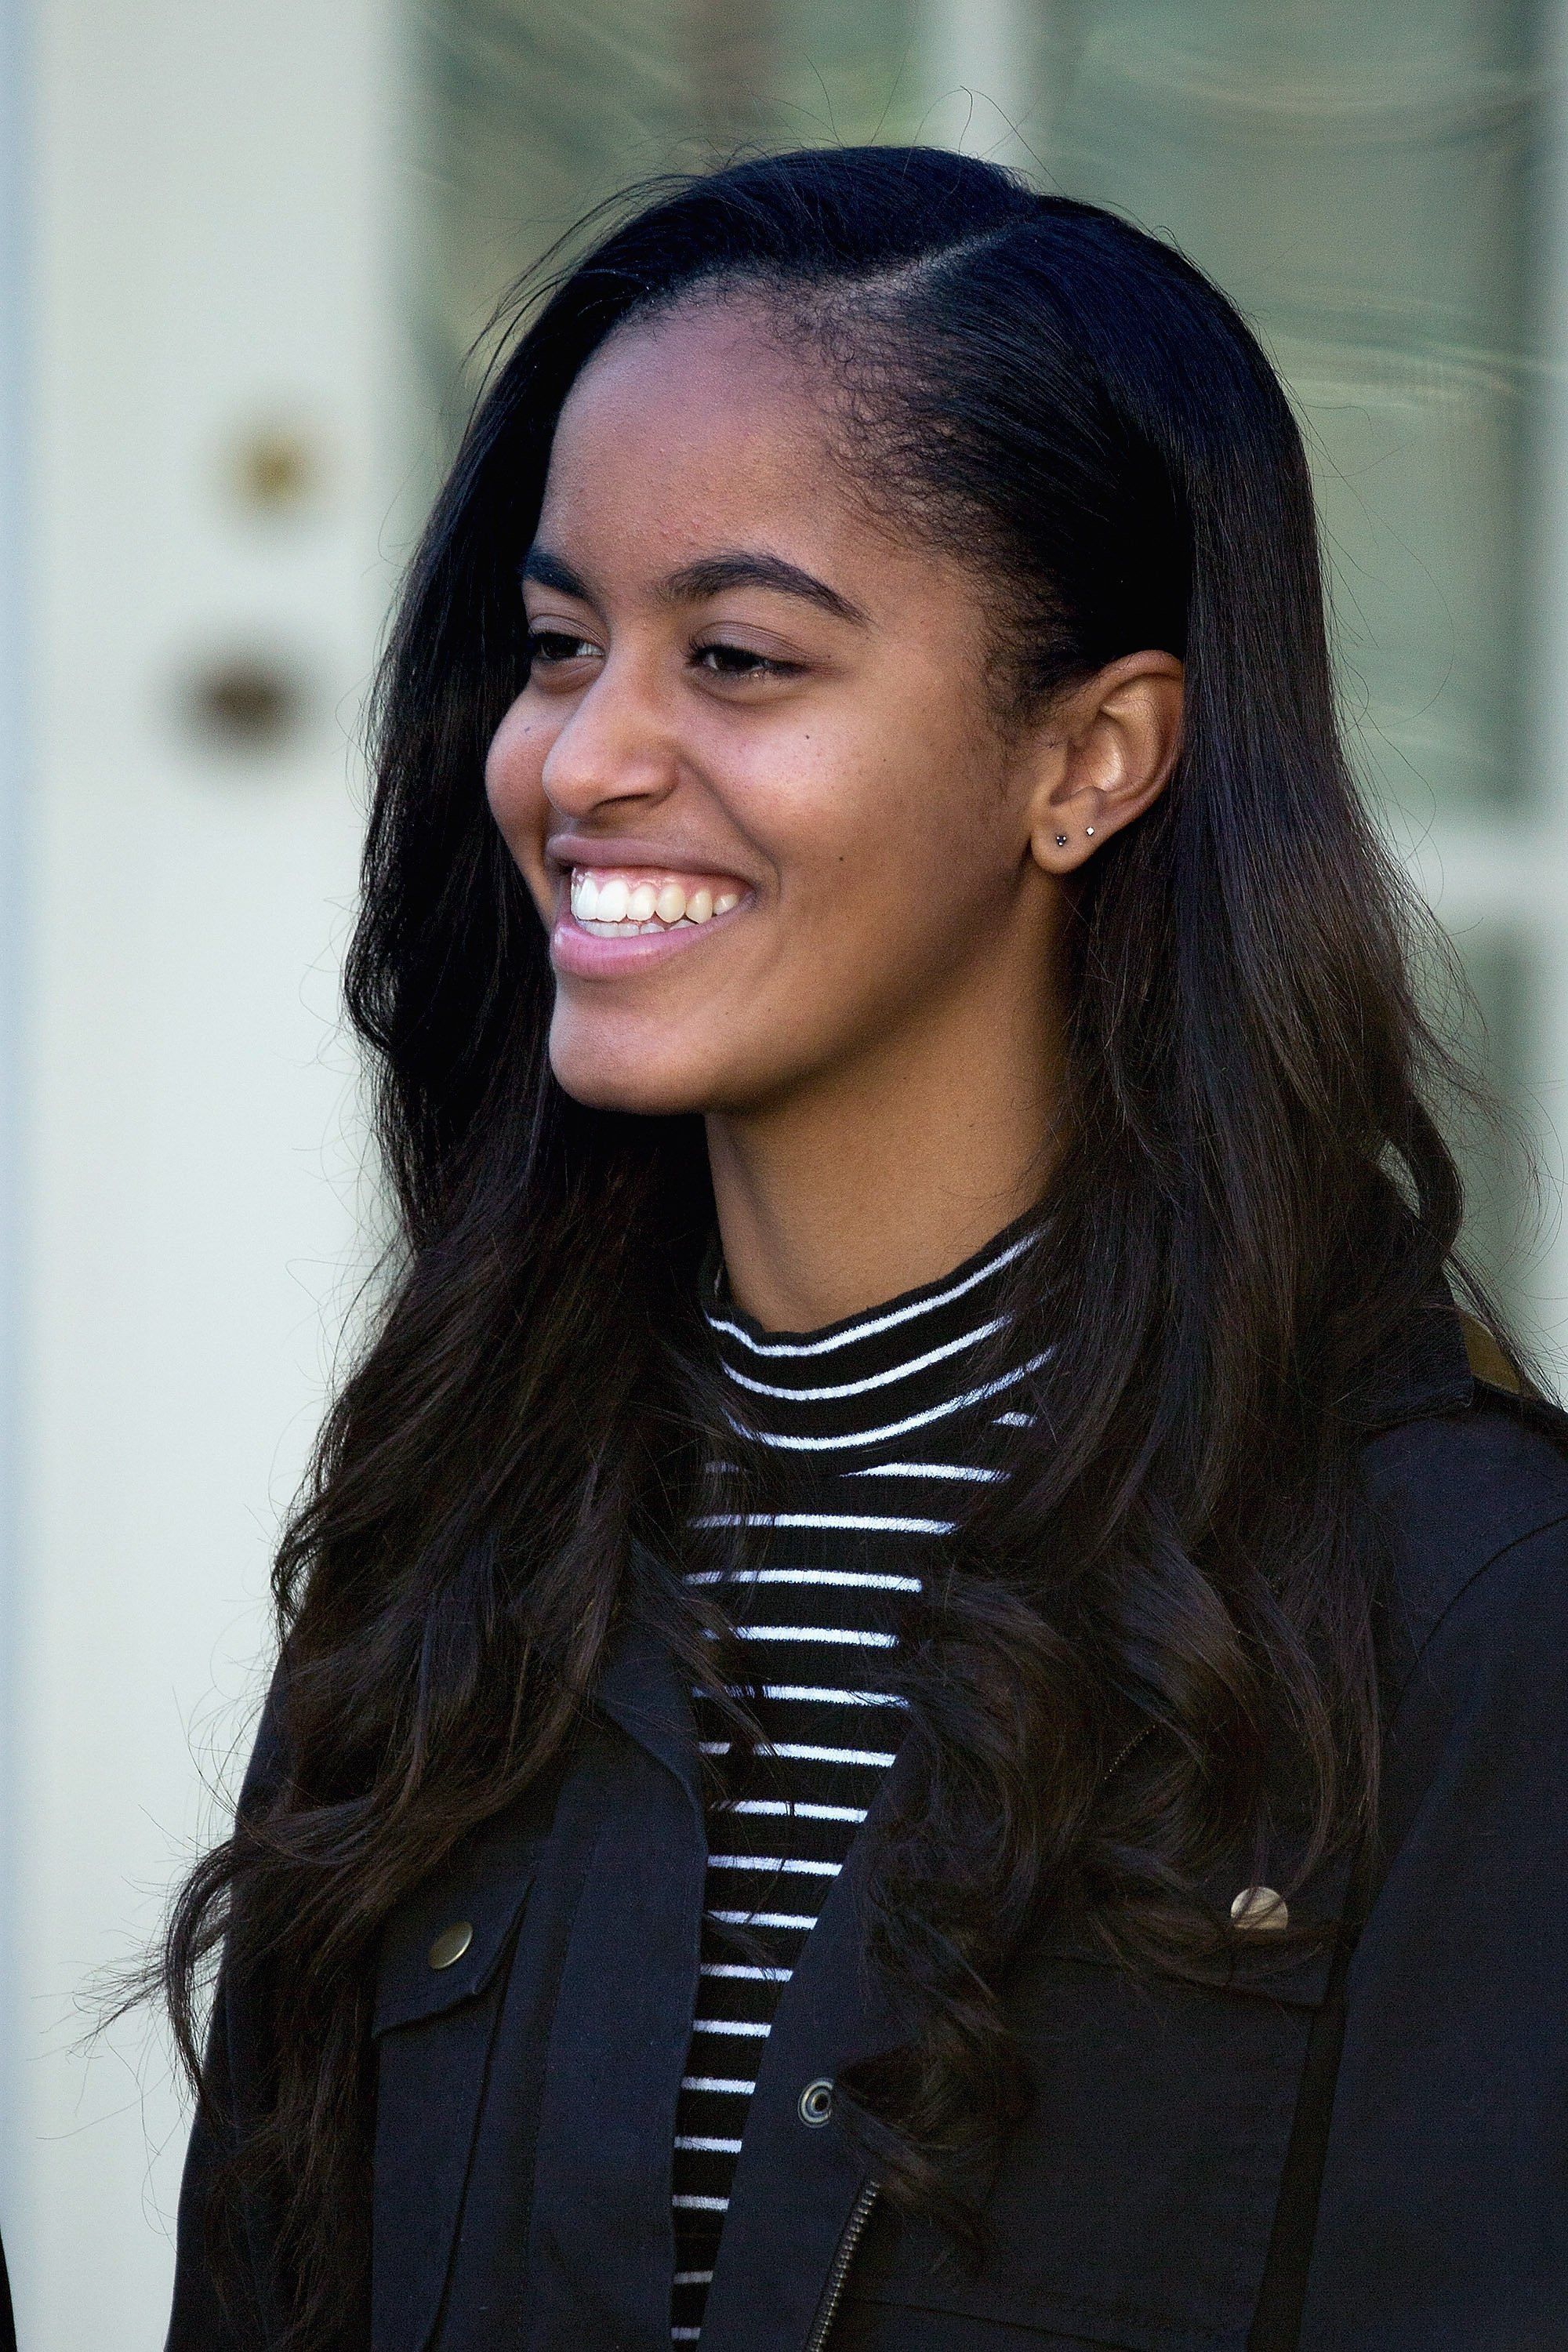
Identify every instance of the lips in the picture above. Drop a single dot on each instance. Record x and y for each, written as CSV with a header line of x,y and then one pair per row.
x,y
619,919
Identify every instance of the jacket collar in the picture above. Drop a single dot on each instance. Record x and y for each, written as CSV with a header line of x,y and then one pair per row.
x,y
1424,1370
641,1689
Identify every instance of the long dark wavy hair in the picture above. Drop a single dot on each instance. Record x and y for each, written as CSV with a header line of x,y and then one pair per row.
x,y
1250,1201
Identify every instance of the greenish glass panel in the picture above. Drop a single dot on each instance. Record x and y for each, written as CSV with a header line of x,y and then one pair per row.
x,y
530,111
1502,1213
1356,176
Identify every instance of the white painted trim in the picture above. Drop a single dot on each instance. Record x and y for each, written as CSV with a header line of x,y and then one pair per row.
x,y
1541,859
14,152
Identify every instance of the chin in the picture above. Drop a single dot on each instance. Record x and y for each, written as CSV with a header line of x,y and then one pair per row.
x,y
653,1070
601,1078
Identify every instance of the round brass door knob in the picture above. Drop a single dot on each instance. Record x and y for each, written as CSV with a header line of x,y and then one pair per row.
x,y
450,1944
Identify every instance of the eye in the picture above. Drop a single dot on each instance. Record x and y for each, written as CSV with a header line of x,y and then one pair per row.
x,y
728,661
549,648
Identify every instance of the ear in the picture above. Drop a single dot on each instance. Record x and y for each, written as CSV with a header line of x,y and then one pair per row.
x,y
1104,754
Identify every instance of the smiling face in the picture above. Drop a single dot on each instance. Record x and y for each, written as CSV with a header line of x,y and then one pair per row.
x,y
753,780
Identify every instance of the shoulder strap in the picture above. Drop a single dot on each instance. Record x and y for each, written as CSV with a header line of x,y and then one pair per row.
x,y
1277,2320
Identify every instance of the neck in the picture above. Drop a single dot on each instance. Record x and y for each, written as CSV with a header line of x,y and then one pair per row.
x,y
878,1179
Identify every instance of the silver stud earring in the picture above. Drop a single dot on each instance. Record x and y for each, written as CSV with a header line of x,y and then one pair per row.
x,y
1089,833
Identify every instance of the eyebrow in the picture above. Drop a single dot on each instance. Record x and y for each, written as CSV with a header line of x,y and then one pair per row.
x,y
711,576
742,569
550,571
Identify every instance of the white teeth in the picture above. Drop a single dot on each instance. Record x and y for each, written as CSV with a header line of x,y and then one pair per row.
x,y
617,906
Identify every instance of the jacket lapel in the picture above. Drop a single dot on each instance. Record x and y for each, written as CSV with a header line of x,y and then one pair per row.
x,y
641,1690
797,2181
601,2248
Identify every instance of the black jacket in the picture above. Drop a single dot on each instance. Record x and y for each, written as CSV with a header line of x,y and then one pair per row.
x,y
1363,2152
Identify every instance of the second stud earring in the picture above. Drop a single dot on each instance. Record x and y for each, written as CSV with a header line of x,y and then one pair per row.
x,y
1061,841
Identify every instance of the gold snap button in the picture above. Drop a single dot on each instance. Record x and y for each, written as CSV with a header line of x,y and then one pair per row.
x,y
817,2103
450,1944
1260,1908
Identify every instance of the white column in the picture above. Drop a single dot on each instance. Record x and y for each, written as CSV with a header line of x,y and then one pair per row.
x,y
13,736
212,371
1506,871
974,71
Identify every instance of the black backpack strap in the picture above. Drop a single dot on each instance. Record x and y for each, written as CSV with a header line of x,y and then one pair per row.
x,y
1277,2322
8,2325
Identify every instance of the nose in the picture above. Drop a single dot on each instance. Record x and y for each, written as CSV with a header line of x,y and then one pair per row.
x,y
616,746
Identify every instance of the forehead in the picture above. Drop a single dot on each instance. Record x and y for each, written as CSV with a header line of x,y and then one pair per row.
x,y
690,424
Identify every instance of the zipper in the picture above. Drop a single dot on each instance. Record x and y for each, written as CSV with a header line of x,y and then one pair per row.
x,y
833,2292
855,2228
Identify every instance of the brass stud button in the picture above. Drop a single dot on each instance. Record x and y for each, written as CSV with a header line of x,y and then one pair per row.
x,y
450,1944
1259,1907
817,2103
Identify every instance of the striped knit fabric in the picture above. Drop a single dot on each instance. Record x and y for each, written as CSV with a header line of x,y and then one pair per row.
x,y
879,1422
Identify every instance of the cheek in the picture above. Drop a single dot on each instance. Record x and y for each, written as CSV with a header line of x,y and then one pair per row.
x,y
514,783
897,864
902,823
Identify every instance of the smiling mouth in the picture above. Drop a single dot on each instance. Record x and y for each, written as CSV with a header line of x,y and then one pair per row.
x,y
615,904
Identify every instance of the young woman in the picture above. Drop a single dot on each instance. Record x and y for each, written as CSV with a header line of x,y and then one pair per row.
x,y
922,1703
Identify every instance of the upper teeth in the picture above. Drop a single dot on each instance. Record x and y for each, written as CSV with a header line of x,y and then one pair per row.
x,y
616,905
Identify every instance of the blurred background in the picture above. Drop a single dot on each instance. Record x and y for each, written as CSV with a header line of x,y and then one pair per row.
x,y
247,252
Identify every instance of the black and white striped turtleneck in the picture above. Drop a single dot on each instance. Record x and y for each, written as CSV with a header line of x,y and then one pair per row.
x,y
878,1426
